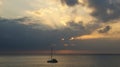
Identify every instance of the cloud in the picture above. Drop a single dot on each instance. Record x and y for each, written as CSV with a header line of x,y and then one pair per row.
x,y
70,2
91,36
58,16
51,13
50,16
76,26
74,29
105,29
47,9
103,10
23,34
16,35
29,34
110,32
50,22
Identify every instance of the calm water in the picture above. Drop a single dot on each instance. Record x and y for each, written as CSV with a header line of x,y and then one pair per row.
x,y
64,61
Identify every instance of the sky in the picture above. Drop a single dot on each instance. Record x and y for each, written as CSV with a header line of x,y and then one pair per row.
x,y
70,26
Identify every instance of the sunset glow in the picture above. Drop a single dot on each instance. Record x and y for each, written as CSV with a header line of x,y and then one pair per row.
x,y
33,25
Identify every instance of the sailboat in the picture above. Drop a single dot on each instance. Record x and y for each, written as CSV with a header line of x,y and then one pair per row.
x,y
52,60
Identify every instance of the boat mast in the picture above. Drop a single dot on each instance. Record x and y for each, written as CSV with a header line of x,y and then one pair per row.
x,y
51,52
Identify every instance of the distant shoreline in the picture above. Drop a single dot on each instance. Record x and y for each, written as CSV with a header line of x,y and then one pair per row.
x,y
11,54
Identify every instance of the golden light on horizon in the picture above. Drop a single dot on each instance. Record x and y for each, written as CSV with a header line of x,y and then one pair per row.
x,y
57,52
90,36
74,52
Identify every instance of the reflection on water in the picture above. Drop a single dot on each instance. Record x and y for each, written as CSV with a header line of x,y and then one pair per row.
x,y
64,61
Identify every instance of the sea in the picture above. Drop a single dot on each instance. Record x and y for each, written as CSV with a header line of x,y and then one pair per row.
x,y
63,61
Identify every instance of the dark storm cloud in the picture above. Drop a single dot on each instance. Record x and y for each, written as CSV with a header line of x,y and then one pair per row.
x,y
17,36
70,2
74,29
105,29
104,10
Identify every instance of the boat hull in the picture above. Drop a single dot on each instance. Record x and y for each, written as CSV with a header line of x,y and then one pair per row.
x,y
52,61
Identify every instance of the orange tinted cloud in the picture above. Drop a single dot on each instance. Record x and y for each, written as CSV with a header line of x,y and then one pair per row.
x,y
91,36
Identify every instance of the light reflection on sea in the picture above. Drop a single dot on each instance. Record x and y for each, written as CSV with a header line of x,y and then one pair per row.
x,y
63,61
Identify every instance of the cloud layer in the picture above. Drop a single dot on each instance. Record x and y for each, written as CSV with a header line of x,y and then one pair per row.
x,y
17,35
104,30
103,9
70,24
